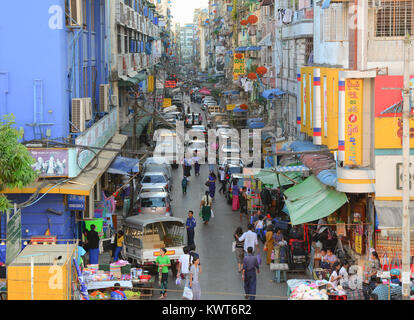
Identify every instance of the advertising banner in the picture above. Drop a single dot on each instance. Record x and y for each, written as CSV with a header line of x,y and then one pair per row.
x,y
353,121
239,67
166,103
388,113
51,162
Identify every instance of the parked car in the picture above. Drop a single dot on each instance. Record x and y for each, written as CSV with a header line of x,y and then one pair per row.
x,y
150,189
159,168
171,150
232,165
189,120
154,203
155,179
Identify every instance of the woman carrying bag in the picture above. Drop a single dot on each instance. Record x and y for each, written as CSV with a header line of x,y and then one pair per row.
x,y
205,207
195,272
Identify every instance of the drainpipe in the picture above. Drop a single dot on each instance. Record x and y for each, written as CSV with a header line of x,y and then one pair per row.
x,y
356,37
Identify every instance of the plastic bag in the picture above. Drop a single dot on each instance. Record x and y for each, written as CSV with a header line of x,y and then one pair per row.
x,y
188,293
212,213
178,281
233,246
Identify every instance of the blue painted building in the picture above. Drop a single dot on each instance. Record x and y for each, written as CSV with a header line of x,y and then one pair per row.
x,y
48,59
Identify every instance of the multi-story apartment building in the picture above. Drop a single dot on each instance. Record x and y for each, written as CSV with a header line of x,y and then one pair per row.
x,y
186,41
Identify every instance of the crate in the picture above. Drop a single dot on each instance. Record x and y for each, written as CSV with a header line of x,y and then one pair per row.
x,y
126,269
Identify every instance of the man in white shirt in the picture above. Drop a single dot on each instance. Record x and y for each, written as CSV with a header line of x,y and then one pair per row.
x,y
184,266
250,239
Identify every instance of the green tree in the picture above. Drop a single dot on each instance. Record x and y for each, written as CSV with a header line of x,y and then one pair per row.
x,y
15,160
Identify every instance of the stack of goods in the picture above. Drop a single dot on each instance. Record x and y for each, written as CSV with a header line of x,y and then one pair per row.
x,y
308,292
152,241
97,295
337,291
105,272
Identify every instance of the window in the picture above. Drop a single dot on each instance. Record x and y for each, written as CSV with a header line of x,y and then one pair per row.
x,y
309,51
334,23
394,18
119,40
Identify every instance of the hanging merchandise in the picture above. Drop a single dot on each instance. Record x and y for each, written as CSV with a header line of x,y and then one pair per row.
x,y
244,22
341,229
252,76
252,19
261,70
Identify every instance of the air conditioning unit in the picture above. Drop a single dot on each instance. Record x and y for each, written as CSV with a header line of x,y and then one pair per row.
x,y
139,18
76,19
114,100
104,97
88,108
78,116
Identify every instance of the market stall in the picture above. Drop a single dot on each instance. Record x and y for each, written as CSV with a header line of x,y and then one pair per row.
x,y
100,279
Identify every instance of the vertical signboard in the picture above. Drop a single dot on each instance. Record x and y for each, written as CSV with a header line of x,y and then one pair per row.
x,y
239,66
353,121
14,236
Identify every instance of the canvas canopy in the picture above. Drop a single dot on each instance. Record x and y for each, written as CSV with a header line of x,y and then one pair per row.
x,y
311,200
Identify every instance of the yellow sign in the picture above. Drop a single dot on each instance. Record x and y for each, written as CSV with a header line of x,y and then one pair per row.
x,y
239,67
168,253
150,83
231,107
353,121
167,103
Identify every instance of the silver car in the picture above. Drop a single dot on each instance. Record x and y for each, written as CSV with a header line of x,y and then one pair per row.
x,y
155,179
150,189
154,203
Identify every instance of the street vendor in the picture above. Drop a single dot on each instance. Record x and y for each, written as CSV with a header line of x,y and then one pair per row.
x,y
117,293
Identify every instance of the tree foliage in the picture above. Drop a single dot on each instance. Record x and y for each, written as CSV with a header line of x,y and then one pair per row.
x,y
15,160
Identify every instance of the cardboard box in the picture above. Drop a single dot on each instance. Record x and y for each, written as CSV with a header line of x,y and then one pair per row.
x,y
159,245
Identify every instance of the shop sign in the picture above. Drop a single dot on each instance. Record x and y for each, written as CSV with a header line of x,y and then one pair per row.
x,y
353,121
168,253
239,66
231,107
167,103
51,162
76,203
14,236
96,136
388,180
388,112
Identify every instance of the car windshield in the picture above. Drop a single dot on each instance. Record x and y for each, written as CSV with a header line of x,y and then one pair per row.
x,y
144,190
154,179
153,202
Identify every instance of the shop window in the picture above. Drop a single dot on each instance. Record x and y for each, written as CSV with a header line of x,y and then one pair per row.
x,y
308,51
394,18
334,23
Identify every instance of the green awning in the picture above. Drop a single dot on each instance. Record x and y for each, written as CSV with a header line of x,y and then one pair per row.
x,y
142,123
132,81
270,179
311,200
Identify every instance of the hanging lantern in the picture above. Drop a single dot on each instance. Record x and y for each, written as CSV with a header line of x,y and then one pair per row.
x,y
252,19
261,70
244,106
239,56
244,22
252,76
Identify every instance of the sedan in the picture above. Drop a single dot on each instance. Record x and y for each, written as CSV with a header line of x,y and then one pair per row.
x,y
154,203
232,165
155,180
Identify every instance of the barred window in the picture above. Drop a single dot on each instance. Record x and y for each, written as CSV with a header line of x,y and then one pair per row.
x,y
334,23
394,18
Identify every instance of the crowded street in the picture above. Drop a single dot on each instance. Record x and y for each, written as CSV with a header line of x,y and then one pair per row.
x,y
206,150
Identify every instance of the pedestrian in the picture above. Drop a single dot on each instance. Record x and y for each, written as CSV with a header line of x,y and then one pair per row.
x,y
187,167
117,293
93,245
243,205
190,225
184,263
184,183
200,118
269,244
235,192
249,238
195,272
239,248
212,184
259,227
196,161
222,179
205,207
119,244
192,118
163,262
250,265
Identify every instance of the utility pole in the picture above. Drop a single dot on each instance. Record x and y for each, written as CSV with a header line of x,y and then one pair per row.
x,y
406,251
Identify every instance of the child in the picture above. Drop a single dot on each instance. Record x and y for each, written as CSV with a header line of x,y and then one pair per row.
x,y
324,263
184,183
259,227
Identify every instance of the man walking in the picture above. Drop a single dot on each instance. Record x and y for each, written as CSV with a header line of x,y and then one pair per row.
x,y
190,225
222,178
250,264
250,239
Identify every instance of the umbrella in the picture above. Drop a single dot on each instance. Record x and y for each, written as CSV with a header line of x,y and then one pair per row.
x,y
205,91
